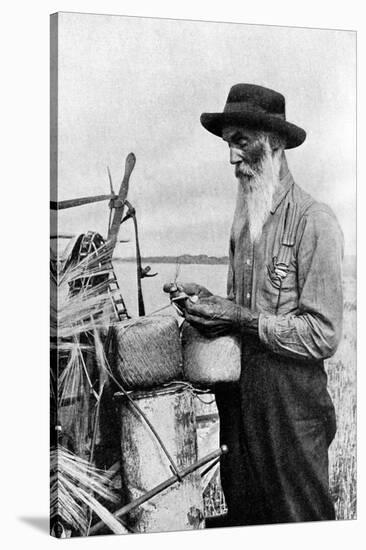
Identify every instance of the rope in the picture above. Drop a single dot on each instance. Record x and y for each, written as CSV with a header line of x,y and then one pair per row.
x,y
205,402
192,389
158,310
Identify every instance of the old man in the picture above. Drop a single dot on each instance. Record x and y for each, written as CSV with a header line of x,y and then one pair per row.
x,y
285,300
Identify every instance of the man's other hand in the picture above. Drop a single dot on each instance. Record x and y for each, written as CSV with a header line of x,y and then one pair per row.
x,y
215,316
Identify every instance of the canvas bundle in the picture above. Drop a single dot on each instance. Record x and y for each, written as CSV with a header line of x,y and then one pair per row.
x,y
210,361
146,353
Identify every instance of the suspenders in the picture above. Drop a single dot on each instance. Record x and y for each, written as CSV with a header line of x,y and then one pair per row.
x,y
280,263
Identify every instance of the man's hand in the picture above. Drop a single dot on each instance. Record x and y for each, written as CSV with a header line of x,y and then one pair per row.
x,y
191,289
215,316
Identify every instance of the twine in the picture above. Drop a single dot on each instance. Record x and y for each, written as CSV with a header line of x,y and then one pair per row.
x,y
147,352
210,361
193,390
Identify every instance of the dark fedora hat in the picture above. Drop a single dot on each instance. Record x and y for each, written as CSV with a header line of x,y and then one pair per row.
x,y
257,108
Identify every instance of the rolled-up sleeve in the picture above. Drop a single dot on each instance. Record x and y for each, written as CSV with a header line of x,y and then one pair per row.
x,y
314,331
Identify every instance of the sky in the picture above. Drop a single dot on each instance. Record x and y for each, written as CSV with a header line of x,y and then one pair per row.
x,y
139,84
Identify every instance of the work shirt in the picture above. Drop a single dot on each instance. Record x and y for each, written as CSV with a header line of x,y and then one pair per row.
x,y
300,305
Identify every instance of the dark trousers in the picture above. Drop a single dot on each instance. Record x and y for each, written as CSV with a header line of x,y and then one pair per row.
x,y
276,470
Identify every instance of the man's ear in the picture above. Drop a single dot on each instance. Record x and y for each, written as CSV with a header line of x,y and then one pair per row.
x,y
276,142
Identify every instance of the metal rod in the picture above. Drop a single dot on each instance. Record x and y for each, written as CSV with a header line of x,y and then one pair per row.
x,y
140,297
212,465
61,205
162,486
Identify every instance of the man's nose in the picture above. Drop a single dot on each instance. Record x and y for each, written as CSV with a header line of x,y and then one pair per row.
x,y
235,155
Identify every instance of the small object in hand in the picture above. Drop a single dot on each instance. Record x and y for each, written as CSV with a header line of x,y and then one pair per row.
x,y
190,289
178,296
180,299
184,296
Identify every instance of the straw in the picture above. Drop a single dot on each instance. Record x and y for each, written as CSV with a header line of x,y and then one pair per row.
x,y
72,482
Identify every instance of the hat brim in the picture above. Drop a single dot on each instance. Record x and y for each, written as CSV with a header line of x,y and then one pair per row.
x,y
215,122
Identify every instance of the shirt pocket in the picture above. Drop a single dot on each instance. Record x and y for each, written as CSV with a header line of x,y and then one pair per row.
x,y
280,286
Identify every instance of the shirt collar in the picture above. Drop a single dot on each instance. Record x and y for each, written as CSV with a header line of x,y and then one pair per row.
x,y
286,183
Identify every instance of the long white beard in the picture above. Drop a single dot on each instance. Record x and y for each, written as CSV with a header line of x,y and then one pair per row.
x,y
255,195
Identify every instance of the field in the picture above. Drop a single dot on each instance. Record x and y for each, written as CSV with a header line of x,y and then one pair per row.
x,y
341,369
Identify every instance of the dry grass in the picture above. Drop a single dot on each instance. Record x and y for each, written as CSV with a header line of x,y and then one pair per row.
x,y
78,310
341,370
76,487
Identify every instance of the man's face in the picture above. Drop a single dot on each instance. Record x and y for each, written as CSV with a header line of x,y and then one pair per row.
x,y
247,150
257,168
